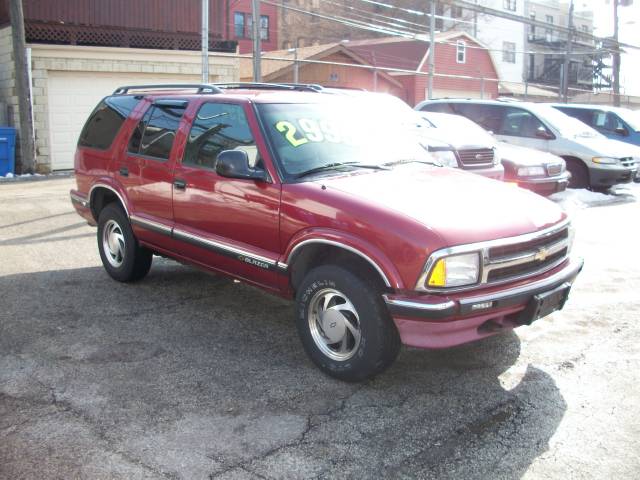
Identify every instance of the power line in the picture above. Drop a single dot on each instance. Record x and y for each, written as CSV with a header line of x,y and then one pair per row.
x,y
529,21
413,35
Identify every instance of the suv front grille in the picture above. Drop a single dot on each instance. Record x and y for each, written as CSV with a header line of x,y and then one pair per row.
x,y
554,169
476,157
627,161
508,259
526,258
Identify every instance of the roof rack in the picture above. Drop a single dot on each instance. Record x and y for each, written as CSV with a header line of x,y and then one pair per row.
x,y
307,87
200,87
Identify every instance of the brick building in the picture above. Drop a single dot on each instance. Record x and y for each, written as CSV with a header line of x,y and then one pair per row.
x,y
463,66
81,51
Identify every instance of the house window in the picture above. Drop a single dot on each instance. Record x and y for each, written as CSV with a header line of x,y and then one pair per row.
x,y
456,12
548,31
461,52
264,27
243,25
508,52
510,5
238,24
532,28
585,28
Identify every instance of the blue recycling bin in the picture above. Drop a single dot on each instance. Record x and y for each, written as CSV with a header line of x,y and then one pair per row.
x,y
7,150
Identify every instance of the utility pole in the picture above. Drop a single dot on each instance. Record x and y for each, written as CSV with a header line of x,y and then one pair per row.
x,y
296,67
26,135
205,41
475,22
616,57
257,75
432,47
564,86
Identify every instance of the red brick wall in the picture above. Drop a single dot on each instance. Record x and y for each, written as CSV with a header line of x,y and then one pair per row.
x,y
246,44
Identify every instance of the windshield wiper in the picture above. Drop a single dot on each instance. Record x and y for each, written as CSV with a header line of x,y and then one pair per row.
x,y
333,166
412,160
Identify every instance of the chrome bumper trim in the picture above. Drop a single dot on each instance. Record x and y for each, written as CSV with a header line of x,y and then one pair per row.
x,y
79,199
419,305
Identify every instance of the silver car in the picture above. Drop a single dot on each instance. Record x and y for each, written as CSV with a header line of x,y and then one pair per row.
x,y
541,172
594,161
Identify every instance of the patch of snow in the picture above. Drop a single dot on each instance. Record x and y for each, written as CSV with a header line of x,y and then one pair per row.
x,y
9,175
576,199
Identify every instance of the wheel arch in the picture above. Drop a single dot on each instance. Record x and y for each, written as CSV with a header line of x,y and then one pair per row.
x,y
572,159
101,195
311,252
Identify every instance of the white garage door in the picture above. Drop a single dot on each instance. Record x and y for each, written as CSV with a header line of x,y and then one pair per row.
x,y
72,97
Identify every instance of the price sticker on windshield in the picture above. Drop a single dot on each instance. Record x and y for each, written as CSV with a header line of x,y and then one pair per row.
x,y
316,131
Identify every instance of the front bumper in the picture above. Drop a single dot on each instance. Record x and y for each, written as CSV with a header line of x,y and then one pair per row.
x,y
546,185
607,177
495,172
435,321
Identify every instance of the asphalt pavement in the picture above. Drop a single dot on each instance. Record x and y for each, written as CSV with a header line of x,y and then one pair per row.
x,y
188,375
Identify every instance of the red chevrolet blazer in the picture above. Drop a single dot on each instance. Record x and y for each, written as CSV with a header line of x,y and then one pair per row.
x,y
316,197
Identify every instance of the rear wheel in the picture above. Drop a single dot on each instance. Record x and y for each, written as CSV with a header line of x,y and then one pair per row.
x,y
123,258
344,324
579,173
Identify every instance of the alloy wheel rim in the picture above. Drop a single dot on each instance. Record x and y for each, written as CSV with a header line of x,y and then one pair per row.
x,y
334,324
113,243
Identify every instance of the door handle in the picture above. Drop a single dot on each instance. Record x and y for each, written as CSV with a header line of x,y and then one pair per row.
x,y
124,171
179,184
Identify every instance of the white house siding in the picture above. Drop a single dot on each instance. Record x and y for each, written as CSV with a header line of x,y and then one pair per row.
x,y
493,31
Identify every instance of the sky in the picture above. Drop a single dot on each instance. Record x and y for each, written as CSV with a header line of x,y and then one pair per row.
x,y
628,33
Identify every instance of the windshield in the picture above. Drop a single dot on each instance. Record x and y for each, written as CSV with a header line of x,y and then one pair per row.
x,y
343,134
631,118
566,125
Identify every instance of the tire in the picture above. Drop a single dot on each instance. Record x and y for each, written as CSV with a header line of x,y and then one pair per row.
x,y
122,257
355,314
579,174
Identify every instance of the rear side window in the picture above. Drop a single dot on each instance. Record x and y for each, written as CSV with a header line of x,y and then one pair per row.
x,y
154,134
488,117
520,123
438,107
105,121
218,127
607,121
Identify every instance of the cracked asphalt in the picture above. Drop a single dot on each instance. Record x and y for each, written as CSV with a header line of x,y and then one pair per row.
x,y
192,376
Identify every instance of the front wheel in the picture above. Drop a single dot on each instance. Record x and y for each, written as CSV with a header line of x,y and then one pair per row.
x,y
123,258
579,174
344,324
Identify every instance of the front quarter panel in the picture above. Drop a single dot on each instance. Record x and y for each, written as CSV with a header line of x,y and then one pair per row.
x,y
396,243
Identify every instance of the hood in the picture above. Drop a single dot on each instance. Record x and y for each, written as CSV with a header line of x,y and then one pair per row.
x,y
606,147
523,156
461,207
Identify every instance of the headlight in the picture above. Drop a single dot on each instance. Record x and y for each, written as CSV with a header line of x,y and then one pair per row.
x,y
455,271
445,157
605,160
531,171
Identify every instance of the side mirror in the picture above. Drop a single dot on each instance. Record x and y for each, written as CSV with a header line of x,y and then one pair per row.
x,y
543,133
622,131
235,164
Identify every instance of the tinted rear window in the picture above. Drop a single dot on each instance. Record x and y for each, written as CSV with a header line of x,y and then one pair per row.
x,y
105,121
156,131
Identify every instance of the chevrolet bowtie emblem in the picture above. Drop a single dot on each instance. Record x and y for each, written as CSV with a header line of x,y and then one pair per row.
x,y
541,255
